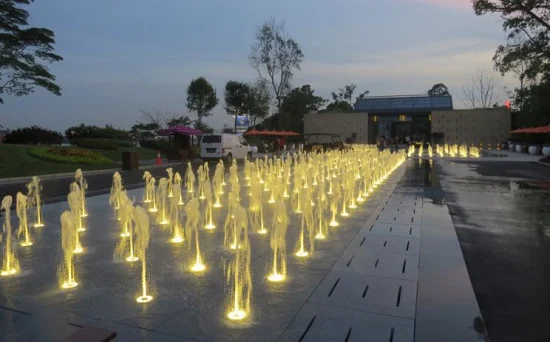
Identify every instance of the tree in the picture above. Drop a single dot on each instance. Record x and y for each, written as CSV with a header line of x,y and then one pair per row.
x,y
299,102
482,91
22,49
236,97
275,56
201,126
156,119
258,101
201,98
439,89
533,102
527,18
339,106
344,97
179,121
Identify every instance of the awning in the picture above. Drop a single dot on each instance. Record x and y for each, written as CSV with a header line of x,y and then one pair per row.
x,y
535,130
181,130
253,132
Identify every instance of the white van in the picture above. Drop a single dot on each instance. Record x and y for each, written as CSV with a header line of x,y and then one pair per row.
x,y
225,146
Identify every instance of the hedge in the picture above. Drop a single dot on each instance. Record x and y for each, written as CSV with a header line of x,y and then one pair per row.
x,y
33,135
102,144
161,145
69,155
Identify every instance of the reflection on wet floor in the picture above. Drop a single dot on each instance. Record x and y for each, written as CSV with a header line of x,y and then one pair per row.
x,y
500,212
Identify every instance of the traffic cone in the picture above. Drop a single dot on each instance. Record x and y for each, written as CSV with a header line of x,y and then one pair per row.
x,y
159,159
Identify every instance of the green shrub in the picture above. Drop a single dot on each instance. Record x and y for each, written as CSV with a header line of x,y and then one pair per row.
x,y
33,135
102,144
161,145
91,131
69,155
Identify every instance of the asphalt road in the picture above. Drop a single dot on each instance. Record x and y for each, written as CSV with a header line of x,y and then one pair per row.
x,y
501,215
57,189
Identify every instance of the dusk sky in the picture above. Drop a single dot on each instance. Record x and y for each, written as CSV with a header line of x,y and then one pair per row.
x,y
125,55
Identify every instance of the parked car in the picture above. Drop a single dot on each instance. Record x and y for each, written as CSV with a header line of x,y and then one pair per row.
x,y
224,146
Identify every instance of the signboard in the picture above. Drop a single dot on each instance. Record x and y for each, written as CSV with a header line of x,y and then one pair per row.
x,y
242,122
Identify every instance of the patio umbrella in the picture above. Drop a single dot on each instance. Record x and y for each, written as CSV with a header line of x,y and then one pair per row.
x,y
253,132
183,130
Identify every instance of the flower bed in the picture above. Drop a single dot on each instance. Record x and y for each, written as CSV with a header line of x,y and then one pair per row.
x,y
70,155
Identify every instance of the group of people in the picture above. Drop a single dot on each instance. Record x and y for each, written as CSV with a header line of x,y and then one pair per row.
x,y
391,143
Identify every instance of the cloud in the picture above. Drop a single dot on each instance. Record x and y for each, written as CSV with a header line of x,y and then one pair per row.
x,y
407,71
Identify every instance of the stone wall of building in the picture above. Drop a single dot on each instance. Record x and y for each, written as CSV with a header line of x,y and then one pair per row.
x,y
343,125
473,126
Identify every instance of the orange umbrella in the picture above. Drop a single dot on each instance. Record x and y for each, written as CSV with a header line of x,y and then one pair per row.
x,y
292,133
253,132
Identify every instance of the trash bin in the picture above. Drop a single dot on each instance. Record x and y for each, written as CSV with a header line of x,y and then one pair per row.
x,y
130,161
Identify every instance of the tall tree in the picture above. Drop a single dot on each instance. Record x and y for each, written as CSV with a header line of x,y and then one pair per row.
x,y
179,121
275,56
482,91
201,98
162,118
22,50
339,106
236,97
346,95
439,89
298,102
533,102
258,101
528,18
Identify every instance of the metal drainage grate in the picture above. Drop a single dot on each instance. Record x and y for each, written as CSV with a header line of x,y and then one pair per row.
x,y
394,230
399,218
398,210
367,293
386,243
379,263
319,323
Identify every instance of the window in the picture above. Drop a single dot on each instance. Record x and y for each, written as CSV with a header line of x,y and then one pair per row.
x,y
212,139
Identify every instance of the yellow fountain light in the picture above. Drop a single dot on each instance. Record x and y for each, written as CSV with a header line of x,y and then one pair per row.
x,y
276,278
236,315
198,267
302,254
132,258
6,273
69,284
144,299
176,239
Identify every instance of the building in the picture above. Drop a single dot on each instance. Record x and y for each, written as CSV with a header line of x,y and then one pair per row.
x,y
412,118
473,126
325,127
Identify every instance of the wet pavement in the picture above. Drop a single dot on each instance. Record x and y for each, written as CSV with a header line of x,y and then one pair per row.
x,y
501,215
501,221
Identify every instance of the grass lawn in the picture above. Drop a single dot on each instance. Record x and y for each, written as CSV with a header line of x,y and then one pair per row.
x,y
17,162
